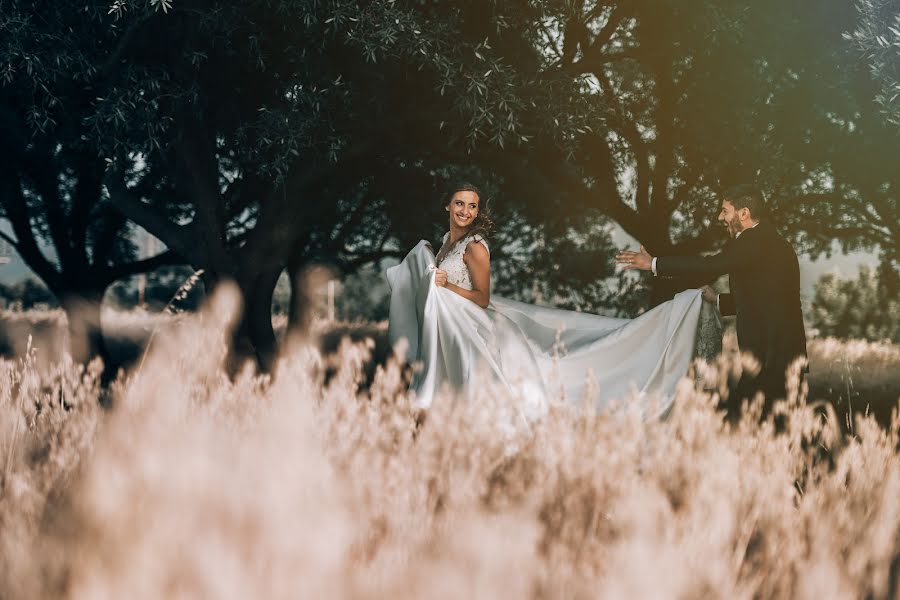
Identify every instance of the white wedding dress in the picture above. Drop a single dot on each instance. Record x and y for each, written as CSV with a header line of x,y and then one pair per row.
x,y
533,351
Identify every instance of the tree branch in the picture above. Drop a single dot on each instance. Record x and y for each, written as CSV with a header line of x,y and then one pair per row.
x,y
10,241
592,56
88,192
16,210
574,35
277,211
43,170
115,57
345,228
351,264
108,274
106,238
177,237
593,63
702,242
605,34
630,133
197,151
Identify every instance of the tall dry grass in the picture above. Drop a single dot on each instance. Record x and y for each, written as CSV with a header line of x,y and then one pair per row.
x,y
195,485
866,361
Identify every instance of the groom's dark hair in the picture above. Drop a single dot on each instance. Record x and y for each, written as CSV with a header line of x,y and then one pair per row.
x,y
749,197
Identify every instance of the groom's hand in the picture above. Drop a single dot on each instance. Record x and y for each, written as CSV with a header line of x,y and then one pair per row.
x,y
709,294
635,260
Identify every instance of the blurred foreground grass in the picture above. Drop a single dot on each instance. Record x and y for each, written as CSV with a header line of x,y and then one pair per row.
x,y
306,484
853,375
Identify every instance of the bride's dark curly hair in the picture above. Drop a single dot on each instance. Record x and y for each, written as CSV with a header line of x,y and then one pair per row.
x,y
482,225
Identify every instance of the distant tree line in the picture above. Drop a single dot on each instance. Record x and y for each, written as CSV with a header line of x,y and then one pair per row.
x,y
867,307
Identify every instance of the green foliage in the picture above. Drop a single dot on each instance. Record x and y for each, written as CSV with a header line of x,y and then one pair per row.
x,y
363,296
851,196
564,267
699,95
866,308
56,62
877,36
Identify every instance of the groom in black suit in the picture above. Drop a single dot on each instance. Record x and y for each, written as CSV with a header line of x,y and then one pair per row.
x,y
764,279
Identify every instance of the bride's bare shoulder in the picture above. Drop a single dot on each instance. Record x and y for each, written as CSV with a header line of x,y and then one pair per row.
x,y
480,238
477,245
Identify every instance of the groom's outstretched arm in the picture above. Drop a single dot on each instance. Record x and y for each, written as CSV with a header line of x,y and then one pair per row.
x,y
737,256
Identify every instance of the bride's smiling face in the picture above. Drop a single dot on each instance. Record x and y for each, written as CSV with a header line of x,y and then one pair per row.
x,y
463,209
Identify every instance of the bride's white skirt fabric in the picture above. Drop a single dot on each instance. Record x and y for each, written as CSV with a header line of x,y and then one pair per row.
x,y
537,353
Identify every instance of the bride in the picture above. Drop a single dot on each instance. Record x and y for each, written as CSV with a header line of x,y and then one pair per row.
x,y
462,336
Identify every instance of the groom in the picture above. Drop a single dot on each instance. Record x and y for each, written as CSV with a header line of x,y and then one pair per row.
x,y
764,279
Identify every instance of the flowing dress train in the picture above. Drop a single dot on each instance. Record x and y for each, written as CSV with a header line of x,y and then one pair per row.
x,y
535,351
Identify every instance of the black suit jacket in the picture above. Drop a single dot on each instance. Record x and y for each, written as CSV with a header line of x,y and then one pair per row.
x,y
764,279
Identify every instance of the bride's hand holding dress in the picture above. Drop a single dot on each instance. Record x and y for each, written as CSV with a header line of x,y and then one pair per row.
x,y
465,269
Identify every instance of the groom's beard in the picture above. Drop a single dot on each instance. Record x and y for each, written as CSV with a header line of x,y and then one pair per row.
x,y
734,227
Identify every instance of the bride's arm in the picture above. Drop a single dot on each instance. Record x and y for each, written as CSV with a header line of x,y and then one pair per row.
x,y
478,260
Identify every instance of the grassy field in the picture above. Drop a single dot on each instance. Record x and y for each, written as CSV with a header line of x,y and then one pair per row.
x,y
197,485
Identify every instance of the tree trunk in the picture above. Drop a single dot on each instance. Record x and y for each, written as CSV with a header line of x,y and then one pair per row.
x,y
85,330
299,314
254,337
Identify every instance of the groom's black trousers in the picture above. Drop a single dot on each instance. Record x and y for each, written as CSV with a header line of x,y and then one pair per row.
x,y
771,386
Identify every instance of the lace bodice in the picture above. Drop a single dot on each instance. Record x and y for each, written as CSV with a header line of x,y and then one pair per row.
x,y
453,263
